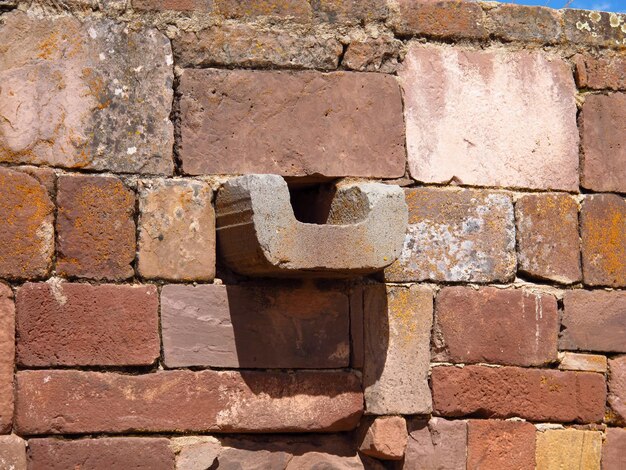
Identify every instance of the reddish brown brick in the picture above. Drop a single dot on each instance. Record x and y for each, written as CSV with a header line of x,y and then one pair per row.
x,y
293,9
437,444
501,326
12,453
350,11
617,388
603,138
77,402
83,325
601,72
101,454
594,28
96,230
525,23
544,252
603,231
384,437
504,392
7,355
500,444
614,449
176,5
373,55
26,231
594,321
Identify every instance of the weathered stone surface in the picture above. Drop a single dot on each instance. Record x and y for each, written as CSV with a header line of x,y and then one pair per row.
x,y
298,10
501,326
373,55
96,230
384,437
617,387
77,402
568,449
353,122
176,230
603,232
175,5
500,444
7,357
594,321
601,72
439,19
137,453
79,95
245,45
490,118
595,28
437,444
195,452
255,326
578,361
46,176
603,136
457,235
398,322
13,453
26,231
504,392
543,252
525,23
83,325
259,234
357,327
350,11
614,449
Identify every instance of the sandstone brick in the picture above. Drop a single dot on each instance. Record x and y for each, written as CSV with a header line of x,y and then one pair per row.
x,y
614,449
26,232
373,55
500,326
255,326
195,452
137,453
175,5
292,9
12,453
582,362
83,325
259,234
500,444
245,45
457,235
568,449
7,357
439,19
617,387
357,332
384,437
77,402
176,230
603,232
593,321
601,72
68,101
594,28
45,176
354,123
437,444
398,322
96,230
504,392
603,136
525,23
350,11
474,118
543,252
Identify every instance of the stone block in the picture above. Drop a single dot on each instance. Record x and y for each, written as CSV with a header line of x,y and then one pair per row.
x,y
617,388
7,360
614,449
582,362
500,444
384,437
568,449
437,444
13,453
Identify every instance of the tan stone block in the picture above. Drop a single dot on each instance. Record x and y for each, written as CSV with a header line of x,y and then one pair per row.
x,y
580,361
568,449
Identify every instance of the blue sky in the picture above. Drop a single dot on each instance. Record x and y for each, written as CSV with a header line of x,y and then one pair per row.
x,y
604,5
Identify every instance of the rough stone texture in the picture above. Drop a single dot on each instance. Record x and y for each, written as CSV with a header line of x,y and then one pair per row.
x,y
77,402
96,230
439,19
298,10
500,444
373,55
384,437
437,444
7,355
617,387
350,11
195,452
64,324
525,23
603,232
134,453
26,231
504,392
255,326
357,327
544,252
355,118
79,95
12,453
614,449
594,28
176,230
493,325
490,118
259,234
577,361
397,323
603,137
244,45
601,72
46,176
568,449
594,321
456,235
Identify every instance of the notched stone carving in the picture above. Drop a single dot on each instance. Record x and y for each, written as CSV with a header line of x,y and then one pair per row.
x,y
259,235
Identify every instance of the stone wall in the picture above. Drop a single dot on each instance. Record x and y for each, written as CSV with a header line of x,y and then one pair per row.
x,y
496,340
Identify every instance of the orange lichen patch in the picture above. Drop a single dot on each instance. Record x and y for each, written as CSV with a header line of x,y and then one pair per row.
x,y
48,46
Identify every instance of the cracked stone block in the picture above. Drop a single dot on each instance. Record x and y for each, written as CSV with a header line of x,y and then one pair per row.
x,y
568,449
13,453
81,95
7,355
258,233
